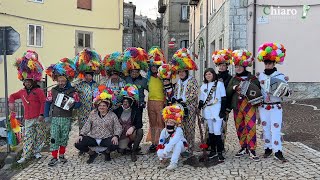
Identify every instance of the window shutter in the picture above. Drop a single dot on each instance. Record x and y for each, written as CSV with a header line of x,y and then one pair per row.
x,y
28,35
84,4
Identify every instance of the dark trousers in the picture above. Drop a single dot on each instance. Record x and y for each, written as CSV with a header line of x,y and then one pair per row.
x,y
91,142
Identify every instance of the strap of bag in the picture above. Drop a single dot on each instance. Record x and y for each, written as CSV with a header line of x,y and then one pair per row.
x,y
213,89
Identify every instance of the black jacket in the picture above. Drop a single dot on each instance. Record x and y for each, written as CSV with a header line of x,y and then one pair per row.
x,y
136,121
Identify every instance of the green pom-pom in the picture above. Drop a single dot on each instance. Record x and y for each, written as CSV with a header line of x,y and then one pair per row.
x,y
268,49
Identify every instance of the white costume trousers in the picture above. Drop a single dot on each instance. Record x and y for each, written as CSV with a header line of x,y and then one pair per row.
x,y
174,155
271,121
215,126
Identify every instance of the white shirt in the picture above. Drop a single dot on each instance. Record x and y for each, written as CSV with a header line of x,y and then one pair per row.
x,y
264,77
212,112
177,137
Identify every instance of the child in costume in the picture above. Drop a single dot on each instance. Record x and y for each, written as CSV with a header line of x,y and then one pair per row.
x,y
63,72
132,126
155,96
222,59
244,112
186,92
112,64
271,109
172,142
213,101
166,74
33,100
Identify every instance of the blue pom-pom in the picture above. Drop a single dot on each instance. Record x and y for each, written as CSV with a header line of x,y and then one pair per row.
x,y
161,140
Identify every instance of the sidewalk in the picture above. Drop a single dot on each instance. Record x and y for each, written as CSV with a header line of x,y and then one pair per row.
x,y
304,163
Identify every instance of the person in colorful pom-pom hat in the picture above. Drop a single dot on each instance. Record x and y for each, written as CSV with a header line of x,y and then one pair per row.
x,y
172,141
33,100
244,112
61,100
87,64
222,59
102,129
112,64
155,96
166,74
186,92
132,125
271,109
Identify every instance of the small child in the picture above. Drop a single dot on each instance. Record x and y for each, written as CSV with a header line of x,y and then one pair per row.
x,y
172,141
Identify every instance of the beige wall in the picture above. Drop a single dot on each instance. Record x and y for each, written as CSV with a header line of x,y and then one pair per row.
x,y
299,36
59,39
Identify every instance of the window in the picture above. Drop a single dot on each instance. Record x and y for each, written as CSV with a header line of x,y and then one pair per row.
x,y
220,43
84,4
185,12
184,44
35,35
212,6
191,33
126,22
37,1
201,16
84,39
142,34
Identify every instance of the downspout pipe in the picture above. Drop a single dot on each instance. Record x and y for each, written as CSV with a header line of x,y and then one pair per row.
x,y
194,34
254,34
207,35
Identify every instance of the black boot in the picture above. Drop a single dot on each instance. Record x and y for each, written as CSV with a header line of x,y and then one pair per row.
x,y
267,153
279,156
137,140
219,144
92,157
107,156
212,140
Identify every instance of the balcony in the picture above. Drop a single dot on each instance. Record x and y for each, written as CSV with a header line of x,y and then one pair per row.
x,y
193,2
161,7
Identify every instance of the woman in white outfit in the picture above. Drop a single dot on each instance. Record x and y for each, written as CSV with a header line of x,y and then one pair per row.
x,y
213,101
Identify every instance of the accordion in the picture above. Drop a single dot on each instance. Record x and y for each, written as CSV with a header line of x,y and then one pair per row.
x,y
63,101
276,87
251,91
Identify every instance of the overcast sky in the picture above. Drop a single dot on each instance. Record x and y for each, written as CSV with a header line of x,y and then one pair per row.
x,y
146,7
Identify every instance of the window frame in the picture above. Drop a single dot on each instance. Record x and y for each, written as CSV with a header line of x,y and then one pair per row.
x,y
201,16
35,35
84,39
187,13
185,42
36,1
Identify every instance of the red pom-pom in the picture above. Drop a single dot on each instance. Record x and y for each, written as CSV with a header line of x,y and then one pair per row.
x,y
160,146
203,146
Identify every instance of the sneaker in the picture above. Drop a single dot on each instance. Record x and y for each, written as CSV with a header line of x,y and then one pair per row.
x,y
153,148
62,159
185,154
172,166
92,158
279,156
267,153
241,152
21,160
220,157
37,155
133,156
253,156
212,154
53,162
81,153
107,157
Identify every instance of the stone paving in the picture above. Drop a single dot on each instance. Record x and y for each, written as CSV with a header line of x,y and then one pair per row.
x,y
304,163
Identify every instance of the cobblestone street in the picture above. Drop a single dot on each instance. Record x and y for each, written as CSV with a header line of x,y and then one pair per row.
x,y
304,163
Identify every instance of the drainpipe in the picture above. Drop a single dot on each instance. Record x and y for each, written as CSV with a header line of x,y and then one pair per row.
x,y
194,35
207,35
254,34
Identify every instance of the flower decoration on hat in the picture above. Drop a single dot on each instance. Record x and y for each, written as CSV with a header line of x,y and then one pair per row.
x,y
134,58
173,112
274,52
29,67
112,62
156,56
65,67
130,91
182,60
242,57
102,93
87,61
222,56
165,71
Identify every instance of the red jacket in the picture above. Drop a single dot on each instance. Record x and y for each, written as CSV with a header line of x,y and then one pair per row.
x,y
33,102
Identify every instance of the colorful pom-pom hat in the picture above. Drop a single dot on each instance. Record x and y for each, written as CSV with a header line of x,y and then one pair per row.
x,y
156,56
130,91
134,58
112,62
165,71
223,56
87,61
174,112
103,94
29,66
65,67
242,57
182,60
274,52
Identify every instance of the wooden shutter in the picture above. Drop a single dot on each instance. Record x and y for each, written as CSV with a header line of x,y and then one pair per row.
x,y
84,4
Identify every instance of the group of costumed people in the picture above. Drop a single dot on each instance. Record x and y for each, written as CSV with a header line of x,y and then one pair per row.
x,y
110,111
